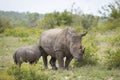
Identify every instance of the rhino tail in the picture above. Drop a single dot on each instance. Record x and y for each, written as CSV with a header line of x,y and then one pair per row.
x,y
15,58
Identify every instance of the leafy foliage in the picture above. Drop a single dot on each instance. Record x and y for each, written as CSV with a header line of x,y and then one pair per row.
x,y
26,72
86,21
112,53
112,10
109,25
48,22
56,19
22,32
4,23
112,58
32,19
22,19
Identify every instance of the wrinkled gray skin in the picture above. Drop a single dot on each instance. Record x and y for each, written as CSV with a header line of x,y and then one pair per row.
x,y
60,43
29,54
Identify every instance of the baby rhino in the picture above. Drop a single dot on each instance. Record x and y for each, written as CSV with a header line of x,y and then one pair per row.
x,y
29,54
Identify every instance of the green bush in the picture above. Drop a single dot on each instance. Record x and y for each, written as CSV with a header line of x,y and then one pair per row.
x,y
112,58
4,23
109,25
17,32
112,54
27,72
22,32
115,41
90,54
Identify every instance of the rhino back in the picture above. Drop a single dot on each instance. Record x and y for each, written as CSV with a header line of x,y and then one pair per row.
x,y
57,39
28,52
47,40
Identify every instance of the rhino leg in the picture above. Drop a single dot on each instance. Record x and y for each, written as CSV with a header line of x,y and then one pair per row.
x,y
18,61
52,62
67,62
45,61
59,56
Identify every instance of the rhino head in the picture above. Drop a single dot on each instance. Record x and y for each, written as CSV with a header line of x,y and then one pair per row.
x,y
76,48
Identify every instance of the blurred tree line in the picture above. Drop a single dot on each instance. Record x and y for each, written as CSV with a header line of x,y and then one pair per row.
x,y
68,19
4,23
21,19
49,20
110,14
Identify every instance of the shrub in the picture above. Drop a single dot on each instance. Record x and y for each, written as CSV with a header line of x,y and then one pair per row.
x,y
17,32
22,32
4,23
27,72
115,40
112,58
112,54
109,25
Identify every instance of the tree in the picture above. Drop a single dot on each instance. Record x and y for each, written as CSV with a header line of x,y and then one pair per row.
x,y
56,19
112,10
32,19
65,18
49,21
88,21
111,13
4,23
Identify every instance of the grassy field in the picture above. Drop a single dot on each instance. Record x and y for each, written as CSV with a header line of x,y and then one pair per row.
x,y
97,45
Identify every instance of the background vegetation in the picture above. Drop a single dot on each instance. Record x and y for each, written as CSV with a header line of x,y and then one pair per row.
x,y
102,54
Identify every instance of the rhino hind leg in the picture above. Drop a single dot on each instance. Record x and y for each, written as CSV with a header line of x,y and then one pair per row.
x,y
19,63
53,63
44,56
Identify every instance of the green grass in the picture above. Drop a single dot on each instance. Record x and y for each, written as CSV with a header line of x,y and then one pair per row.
x,y
96,44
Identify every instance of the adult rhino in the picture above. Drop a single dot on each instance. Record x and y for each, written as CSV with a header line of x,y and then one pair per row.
x,y
60,43
29,54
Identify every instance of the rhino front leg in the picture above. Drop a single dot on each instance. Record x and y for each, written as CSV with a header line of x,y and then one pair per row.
x,y
53,63
67,62
45,61
59,56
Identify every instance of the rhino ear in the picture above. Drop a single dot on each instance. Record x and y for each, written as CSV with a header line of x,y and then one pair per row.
x,y
83,34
